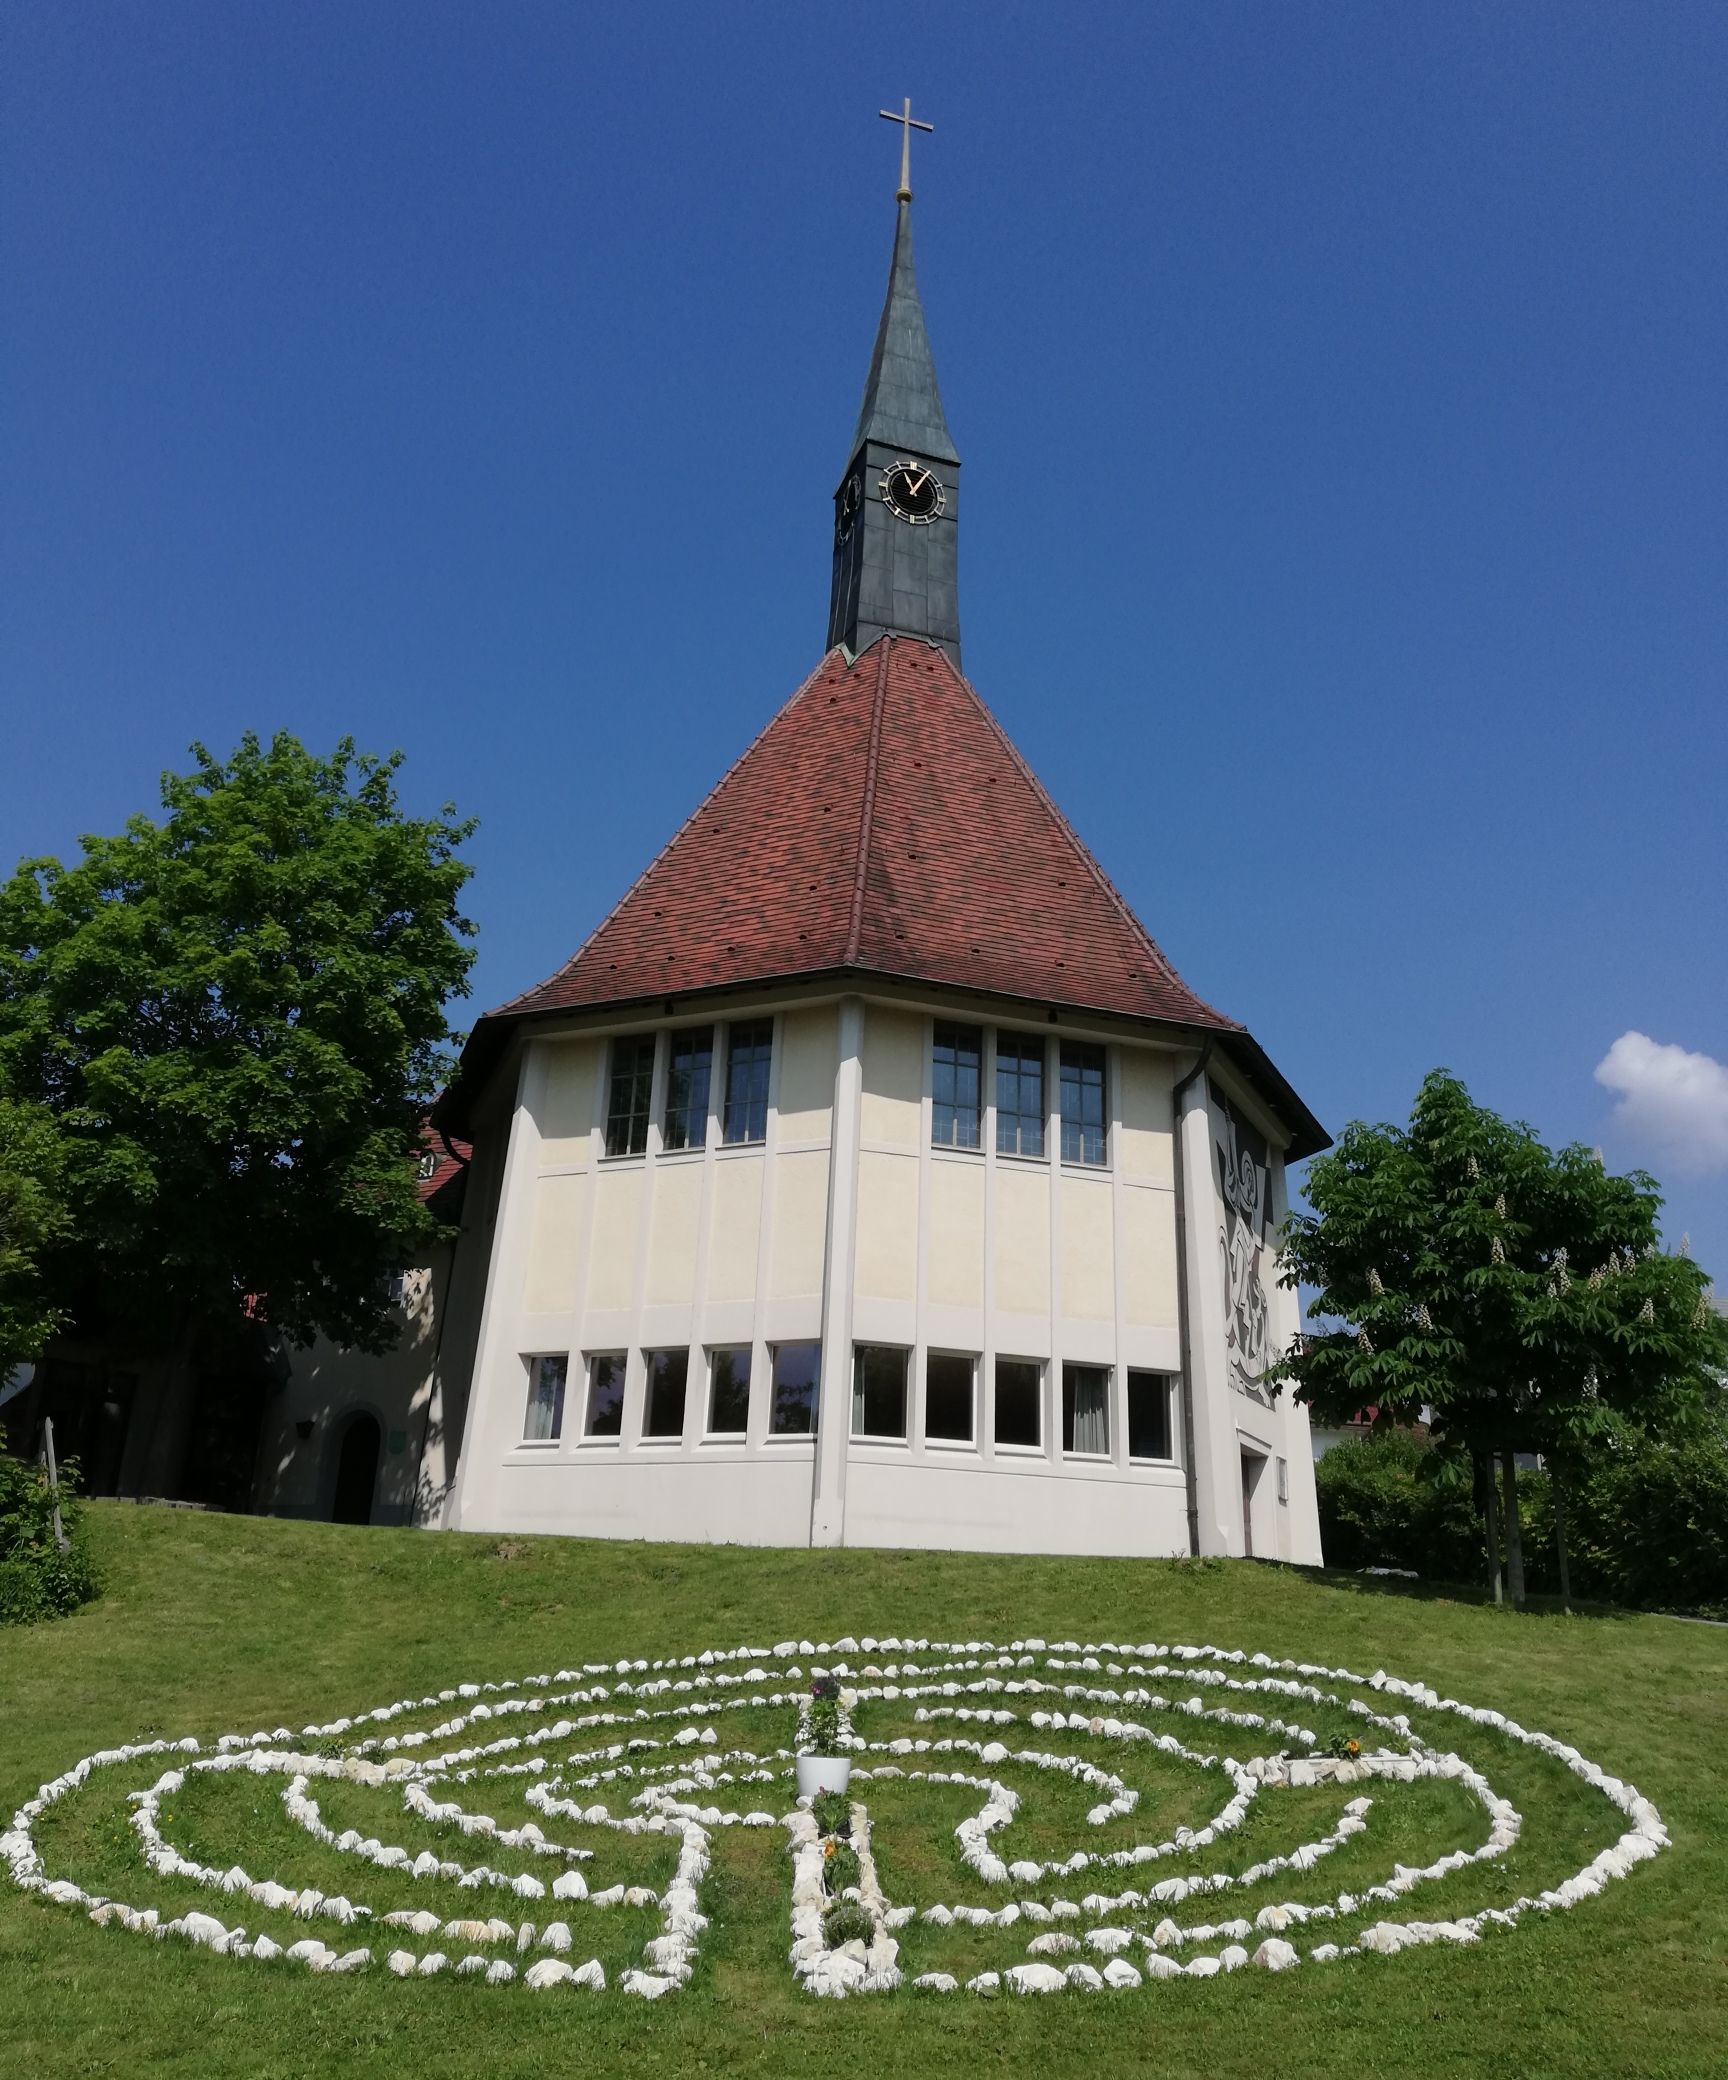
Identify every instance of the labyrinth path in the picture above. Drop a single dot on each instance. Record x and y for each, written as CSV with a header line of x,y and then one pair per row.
x,y
1028,1818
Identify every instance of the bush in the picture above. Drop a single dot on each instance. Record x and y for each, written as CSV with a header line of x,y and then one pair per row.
x,y
833,1813
1646,1521
846,1922
1648,1525
840,1868
37,1580
1394,1500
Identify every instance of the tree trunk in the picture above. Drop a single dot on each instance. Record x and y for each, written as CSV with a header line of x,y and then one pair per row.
x,y
1558,1482
1490,1522
1514,1538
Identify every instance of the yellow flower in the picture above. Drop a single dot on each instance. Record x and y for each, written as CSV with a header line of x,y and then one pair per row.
x,y
1353,1747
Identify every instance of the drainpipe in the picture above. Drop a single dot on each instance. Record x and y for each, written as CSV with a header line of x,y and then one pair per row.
x,y
1191,1477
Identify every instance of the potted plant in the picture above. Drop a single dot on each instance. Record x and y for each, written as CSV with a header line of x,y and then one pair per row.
x,y
822,1764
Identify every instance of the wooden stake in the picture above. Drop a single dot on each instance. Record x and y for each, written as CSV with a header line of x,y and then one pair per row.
x,y
60,1538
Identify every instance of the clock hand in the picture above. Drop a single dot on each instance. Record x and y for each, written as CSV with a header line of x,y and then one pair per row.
x,y
915,487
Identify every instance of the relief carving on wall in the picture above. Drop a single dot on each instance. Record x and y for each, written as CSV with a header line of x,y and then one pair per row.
x,y
1244,1180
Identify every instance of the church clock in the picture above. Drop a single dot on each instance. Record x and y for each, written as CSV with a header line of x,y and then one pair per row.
x,y
913,491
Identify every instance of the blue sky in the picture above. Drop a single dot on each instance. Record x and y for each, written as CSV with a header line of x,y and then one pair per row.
x,y
1341,396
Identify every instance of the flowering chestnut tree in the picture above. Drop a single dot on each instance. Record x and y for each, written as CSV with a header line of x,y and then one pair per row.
x,y
1521,1295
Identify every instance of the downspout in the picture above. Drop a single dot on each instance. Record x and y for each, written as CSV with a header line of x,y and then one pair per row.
x,y
1190,1474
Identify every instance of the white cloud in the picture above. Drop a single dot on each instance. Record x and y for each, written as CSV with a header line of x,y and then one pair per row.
x,y
1671,1100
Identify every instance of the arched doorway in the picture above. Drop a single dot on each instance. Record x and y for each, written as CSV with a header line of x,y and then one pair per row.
x,y
356,1472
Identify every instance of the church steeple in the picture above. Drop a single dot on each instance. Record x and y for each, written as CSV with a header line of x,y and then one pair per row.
x,y
896,513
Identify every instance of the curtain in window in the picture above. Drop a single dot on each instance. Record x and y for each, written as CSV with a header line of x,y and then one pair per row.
x,y
632,1082
748,1051
1086,1410
687,1075
954,1077
1019,1095
1082,1101
545,1400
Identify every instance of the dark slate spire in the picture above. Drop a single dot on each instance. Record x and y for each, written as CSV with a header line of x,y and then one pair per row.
x,y
896,513
902,406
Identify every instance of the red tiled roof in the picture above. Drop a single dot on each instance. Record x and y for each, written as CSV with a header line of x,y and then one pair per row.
x,y
882,823
449,1161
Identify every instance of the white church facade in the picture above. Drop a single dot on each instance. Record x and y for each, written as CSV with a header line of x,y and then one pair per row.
x,y
869,1177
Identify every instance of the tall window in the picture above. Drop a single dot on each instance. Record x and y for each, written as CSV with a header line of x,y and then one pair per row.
x,y
954,1086
605,1413
797,1368
1019,1402
729,1392
667,1373
687,1075
1019,1095
545,1419
749,1048
1082,1101
878,1391
949,1391
628,1094
1149,1426
1085,1408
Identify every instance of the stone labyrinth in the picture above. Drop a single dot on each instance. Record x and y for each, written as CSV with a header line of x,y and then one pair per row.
x,y
1029,1818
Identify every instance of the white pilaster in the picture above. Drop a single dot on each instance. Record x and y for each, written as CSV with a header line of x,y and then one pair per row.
x,y
834,1400
1217,1461
495,1364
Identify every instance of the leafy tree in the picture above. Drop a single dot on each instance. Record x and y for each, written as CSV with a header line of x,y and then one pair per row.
x,y
235,1019
33,1219
1520,1293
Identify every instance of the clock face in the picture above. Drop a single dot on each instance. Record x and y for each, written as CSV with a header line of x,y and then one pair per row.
x,y
913,491
846,504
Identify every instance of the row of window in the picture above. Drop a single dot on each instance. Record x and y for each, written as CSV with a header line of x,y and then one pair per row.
x,y
1022,1111
749,1047
881,1398
957,1091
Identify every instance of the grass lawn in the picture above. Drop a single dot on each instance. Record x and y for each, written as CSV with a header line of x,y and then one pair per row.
x,y
211,1624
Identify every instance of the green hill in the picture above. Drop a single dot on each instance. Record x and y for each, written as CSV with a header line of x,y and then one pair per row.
x,y
216,1624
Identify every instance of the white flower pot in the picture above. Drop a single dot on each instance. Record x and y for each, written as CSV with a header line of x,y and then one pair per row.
x,y
823,1773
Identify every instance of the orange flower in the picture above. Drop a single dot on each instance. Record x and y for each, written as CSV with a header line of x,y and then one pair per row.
x,y
1353,1747
827,1848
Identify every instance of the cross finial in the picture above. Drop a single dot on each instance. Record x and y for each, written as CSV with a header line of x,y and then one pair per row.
x,y
908,123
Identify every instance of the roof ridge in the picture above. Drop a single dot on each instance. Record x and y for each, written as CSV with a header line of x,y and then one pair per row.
x,y
693,818
867,814
1083,853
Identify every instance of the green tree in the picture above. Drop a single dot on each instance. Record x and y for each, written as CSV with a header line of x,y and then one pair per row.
x,y
33,1220
1519,1293
235,1018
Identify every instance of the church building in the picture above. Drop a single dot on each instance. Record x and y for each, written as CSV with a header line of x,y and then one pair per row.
x,y
869,1177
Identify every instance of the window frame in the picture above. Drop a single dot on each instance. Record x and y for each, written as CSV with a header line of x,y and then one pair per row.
x,y
1023,1044
1082,1161
589,1435
639,1041
778,1437
554,1437
1167,1380
960,1038
747,1140
1040,1376
658,1440
1071,1366
860,1352
694,1123
728,1350
935,1441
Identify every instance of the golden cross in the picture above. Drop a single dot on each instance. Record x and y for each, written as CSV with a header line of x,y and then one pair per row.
x,y
908,123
